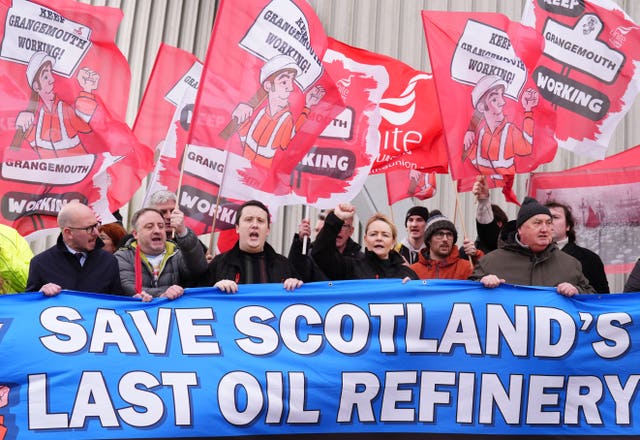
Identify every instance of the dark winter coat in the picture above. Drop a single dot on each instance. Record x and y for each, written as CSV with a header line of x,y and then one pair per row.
x,y
592,266
519,265
341,267
184,261
100,272
230,266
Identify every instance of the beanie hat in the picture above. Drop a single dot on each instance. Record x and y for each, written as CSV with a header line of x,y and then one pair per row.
x,y
437,222
416,210
529,208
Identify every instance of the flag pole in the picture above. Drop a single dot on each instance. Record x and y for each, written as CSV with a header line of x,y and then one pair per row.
x,y
184,156
305,239
462,222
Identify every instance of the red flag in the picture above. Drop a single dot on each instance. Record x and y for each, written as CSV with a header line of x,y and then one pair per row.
x,y
589,68
174,72
402,184
337,166
265,94
494,121
164,121
411,135
67,91
603,198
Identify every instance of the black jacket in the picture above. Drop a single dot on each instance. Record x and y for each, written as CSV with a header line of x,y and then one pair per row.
x,y
488,234
230,266
633,283
100,272
592,266
338,266
304,264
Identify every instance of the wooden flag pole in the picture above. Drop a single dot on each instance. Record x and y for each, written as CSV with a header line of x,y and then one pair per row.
x,y
462,222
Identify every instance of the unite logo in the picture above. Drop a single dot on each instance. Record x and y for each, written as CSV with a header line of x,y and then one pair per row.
x,y
400,110
397,112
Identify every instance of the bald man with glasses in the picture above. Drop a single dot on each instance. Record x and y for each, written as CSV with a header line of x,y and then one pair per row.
x,y
77,260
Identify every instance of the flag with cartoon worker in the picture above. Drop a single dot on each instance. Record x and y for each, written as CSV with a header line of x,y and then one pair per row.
x,y
499,126
265,94
65,91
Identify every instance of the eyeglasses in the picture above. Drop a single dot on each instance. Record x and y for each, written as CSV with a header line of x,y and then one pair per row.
x,y
88,229
443,234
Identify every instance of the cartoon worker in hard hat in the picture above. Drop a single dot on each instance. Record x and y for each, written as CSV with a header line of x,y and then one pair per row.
x,y
50,125
493,145
273,126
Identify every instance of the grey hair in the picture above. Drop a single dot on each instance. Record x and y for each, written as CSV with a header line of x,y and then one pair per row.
x,y
160,197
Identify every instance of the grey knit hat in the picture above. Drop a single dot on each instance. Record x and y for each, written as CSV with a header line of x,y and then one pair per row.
x,y
438,222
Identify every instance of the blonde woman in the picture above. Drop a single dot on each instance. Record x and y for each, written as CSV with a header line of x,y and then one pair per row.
x,y
380,260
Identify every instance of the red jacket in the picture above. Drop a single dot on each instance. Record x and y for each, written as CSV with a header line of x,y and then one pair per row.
x,y
453,268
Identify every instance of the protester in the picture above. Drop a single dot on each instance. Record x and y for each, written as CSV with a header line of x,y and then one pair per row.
x,y
15,256
633,283
415,221
304,263
380,259
166,203
252,260
527,255
77,260
441,257
152,266
111,235
564,234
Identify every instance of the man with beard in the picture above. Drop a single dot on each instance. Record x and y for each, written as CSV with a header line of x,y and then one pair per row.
x,y
252,260
528,256
77,261
440,257
151,266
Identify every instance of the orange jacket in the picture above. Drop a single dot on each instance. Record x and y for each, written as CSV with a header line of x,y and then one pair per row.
x,y
453,268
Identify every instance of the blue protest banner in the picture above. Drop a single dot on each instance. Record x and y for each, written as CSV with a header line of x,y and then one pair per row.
x,y
434,359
